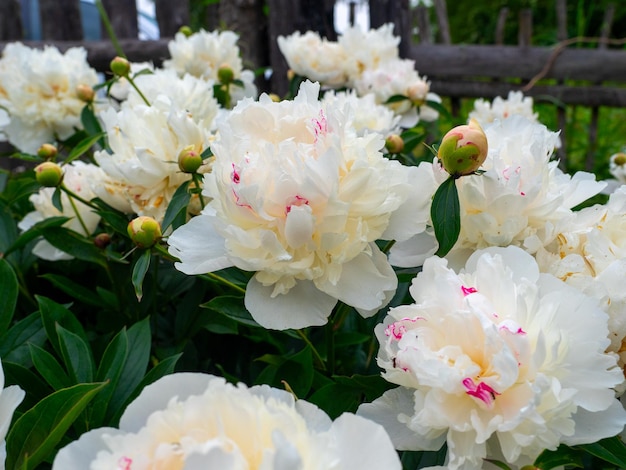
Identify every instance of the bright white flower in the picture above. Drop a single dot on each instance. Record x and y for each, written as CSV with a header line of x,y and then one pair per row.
x,y
10,398
590,255
188,93
486,112
367,50
204,52
78,177
617,168
38,90
299,198
368,115
496,360
193,420
142,167
315,58
521,199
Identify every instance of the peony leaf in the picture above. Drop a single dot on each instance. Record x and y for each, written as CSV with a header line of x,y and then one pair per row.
x,y
35,232
76,354
56,199
53,314
92,124
36,433
14,343
445,213
9,288
611,450
74,244
83,146
49,368
232,307
179,202
139,272
563,455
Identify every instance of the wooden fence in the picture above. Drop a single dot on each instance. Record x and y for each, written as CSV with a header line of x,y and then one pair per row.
x,y
562,74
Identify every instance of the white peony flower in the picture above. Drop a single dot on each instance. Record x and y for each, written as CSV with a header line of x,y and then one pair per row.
x,y
203,53
367,50
498,360
315,58
297,197
521,199
486,112
193,421
142,167
78,177
10,398
38,90
368,115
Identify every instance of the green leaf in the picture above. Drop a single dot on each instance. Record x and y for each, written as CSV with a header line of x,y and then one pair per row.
x,y
49,368
8,227
206,153
91,124
76,354
53,314
9,289
74,244
396,99
232,307
563,455
178,203
35,232
14,343
78,291
611,450
117,220
56,199
445,213
440,108
83,146
139,345
34,436
17,374
139,272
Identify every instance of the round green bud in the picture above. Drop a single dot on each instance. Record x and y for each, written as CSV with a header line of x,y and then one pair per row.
x,y
225,74
47,152
144,231
463,149
48,174
619,159
189,160
186,30
394,143
120,66
85,93
102,240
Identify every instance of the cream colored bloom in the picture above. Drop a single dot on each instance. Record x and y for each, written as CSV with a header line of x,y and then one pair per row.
x,y
142,167
38,90
193,421
300,199
204,52
315,58
486,112
498,361
521,199
367,50
78,177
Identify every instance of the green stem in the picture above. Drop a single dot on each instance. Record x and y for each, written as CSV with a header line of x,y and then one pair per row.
x,y
79,217
72,194
196,182
132,82
388,246
162,251
220,279
316,354
106,21
329,333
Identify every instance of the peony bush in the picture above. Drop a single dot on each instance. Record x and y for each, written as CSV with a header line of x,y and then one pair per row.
x,y
193,275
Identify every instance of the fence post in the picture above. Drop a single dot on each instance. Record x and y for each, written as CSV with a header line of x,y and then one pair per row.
x,y
171,16
123,16
60,20
561,35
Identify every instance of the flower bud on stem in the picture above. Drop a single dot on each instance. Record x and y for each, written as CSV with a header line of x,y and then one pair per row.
x,y
463,149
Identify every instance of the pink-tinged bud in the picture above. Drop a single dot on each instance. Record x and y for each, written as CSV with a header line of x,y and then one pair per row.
x,y
463,149
85,93
394,143
225,74
47,152
417,92
619,159
120,66
102,240
189,160
144,231
186,30
48,174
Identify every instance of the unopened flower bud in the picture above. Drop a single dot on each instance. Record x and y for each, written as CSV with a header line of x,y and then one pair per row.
x,y
47,152
225,74
290,74
102,240
189,160
619,159
274,97
48,174
144,231
394,143
120,66
186,30
85,93
417,92
463,149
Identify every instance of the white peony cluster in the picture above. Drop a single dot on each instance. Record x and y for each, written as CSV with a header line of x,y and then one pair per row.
x,y
366,61
300,199
203,53
486,112
499,361
521,199
194,421
78,177
38,91
145,141
590,254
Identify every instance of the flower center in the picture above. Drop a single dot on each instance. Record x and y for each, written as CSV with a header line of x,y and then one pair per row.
x,y
482,391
